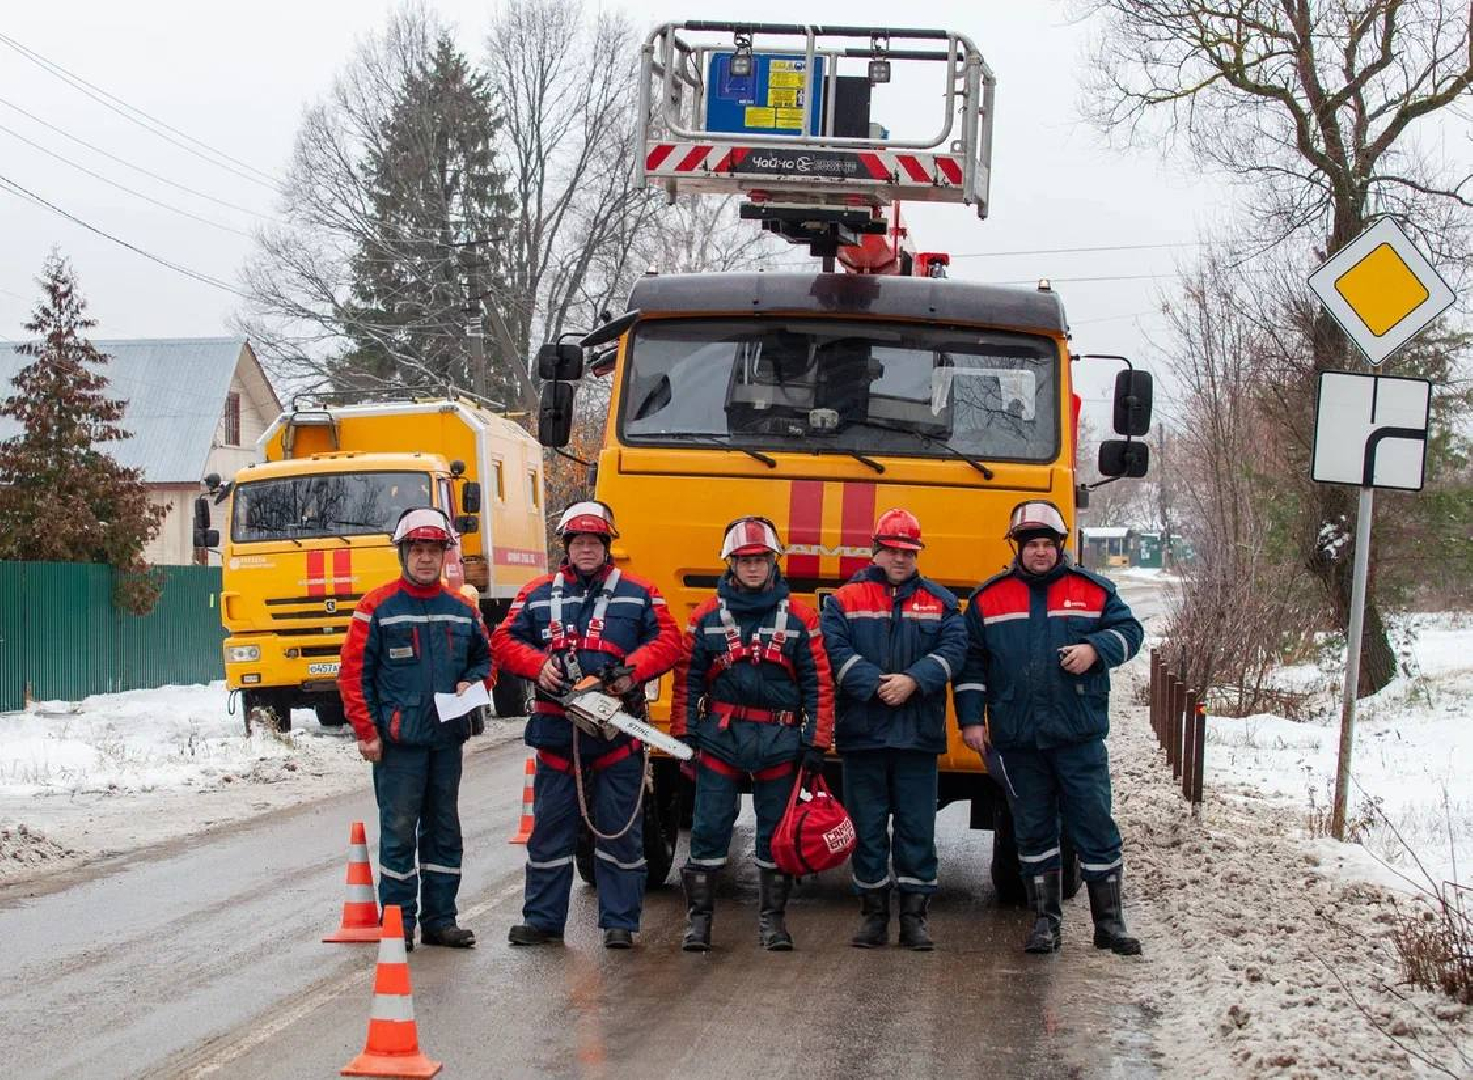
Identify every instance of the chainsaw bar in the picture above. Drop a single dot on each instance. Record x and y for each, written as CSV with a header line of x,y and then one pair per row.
x,y
602,711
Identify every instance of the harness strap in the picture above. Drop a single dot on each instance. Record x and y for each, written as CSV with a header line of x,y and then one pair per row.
x,y
565,638
721,768
728,713
755,652
562,764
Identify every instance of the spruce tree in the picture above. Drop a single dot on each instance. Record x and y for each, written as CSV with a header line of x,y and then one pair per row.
x,y
61,498
437,203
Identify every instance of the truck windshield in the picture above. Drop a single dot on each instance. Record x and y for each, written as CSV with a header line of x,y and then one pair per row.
x,y
325,504
831,386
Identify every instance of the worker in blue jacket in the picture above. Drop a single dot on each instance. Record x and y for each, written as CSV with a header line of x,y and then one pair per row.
x,y
1043,635
588,618
755,698
895,640
407,641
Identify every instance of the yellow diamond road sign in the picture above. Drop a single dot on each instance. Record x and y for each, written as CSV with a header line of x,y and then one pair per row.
x,y
1381,290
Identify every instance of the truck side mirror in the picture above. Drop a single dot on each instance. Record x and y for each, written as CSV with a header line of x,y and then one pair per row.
x,y
466,524
470,498
555,416
561,362
1133,392
206,538
201,513
1123,458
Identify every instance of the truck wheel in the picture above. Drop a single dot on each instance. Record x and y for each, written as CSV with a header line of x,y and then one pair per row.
x,y
509,696
1007,879
266,710
583,855
330,714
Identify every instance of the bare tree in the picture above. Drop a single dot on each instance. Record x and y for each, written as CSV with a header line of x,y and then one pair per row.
x,y
1317,105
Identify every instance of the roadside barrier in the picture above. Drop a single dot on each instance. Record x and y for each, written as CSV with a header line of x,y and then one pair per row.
x,y
393,1040
1179,719
529,784
360,906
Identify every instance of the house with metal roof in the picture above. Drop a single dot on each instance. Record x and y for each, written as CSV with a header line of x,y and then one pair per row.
x,y
193,406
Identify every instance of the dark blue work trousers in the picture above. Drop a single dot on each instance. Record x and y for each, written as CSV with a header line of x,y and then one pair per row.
x,y
1074,780
419,845
612,793
718,796
885,787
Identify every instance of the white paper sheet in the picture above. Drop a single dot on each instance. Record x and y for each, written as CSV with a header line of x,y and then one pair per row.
x,y
449,706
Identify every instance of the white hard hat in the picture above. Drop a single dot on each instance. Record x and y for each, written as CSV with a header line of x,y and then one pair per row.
x,y
424,523
750,536
588,516
1036,516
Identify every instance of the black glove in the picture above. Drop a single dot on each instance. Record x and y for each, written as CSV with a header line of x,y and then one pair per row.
x,y
608,676
811,760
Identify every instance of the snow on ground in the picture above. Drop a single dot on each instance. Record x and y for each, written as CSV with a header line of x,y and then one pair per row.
x,y
118,772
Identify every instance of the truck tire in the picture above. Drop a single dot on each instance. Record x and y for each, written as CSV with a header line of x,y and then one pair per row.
x,y
661,833
330,714
266,710
509,696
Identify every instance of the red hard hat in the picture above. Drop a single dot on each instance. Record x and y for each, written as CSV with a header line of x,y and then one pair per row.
x,y
898,529
588,516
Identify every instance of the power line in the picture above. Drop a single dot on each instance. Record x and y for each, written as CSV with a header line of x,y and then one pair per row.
x,y
129,165
121,187
1080,250
152,124
206,279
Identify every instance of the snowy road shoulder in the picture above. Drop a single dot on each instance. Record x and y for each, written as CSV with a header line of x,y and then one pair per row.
x,y
119,772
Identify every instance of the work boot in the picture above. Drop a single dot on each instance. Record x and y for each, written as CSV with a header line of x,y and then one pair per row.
x,y
527,934
618,938
1109,916
409,941
913,931
448,935
773,889
874,919
700,899
1046,900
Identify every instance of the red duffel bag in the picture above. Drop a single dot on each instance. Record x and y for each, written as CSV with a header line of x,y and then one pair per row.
x,y
815,832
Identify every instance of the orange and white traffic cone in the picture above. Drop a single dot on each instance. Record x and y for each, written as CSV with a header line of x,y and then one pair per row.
x,y
393,1039
529,787
360,908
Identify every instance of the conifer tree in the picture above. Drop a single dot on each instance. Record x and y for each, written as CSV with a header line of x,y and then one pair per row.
x,y
62,499
436,205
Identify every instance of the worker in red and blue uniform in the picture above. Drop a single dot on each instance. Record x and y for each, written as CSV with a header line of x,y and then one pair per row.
x,y
1043,636
896,640
754,698
588,618
408,641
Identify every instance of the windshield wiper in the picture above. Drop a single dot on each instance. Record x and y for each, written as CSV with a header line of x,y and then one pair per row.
x,y
871,462
933,440
726,444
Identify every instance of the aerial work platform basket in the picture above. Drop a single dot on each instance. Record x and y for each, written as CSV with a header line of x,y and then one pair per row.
x,y
780,114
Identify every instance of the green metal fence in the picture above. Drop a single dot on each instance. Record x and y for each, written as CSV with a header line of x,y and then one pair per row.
x,y
61,637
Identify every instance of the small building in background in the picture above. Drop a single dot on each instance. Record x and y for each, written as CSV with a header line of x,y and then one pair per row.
x,y
194,406
1106,546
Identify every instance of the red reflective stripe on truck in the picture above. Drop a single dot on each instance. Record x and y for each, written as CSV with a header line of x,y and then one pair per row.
x,y
856,525
805,525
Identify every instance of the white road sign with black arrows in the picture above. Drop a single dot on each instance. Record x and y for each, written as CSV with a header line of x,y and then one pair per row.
x,y
1371,430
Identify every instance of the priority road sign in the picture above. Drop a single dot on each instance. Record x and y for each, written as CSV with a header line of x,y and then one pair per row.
x,y
1371,430
1381,290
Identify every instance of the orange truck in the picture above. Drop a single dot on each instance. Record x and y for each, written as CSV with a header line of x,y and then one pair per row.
x,y
306,534
820,399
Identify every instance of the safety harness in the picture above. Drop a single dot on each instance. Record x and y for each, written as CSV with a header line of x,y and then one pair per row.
x,y
755,653
566,639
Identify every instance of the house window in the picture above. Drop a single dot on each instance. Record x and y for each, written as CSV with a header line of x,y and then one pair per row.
x,y
532,492
500,488
232,420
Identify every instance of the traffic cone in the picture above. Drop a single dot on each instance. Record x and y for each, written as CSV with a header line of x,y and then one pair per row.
x,y
529,786
393,1039
360,908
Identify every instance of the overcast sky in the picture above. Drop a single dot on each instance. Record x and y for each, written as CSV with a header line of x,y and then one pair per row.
x,y
237,76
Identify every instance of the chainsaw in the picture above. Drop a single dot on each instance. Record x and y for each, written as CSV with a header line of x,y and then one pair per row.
x,y
597,712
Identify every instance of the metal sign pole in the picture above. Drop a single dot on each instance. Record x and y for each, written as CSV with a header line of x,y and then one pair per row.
x,y
1352,656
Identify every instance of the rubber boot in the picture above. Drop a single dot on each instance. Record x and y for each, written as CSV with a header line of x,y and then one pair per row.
x,y
914,933
1046,899
700,899
773,889
874,919
1109,917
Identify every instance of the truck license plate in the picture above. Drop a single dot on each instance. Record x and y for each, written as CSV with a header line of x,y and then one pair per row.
x,y
328,668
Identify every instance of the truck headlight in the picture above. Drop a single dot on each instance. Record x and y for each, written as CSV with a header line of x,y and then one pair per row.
x,y
242,654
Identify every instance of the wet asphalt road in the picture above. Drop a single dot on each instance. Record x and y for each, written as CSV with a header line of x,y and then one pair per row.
x,y
203,959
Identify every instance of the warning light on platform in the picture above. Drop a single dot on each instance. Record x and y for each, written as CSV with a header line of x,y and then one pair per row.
x,y
742,64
